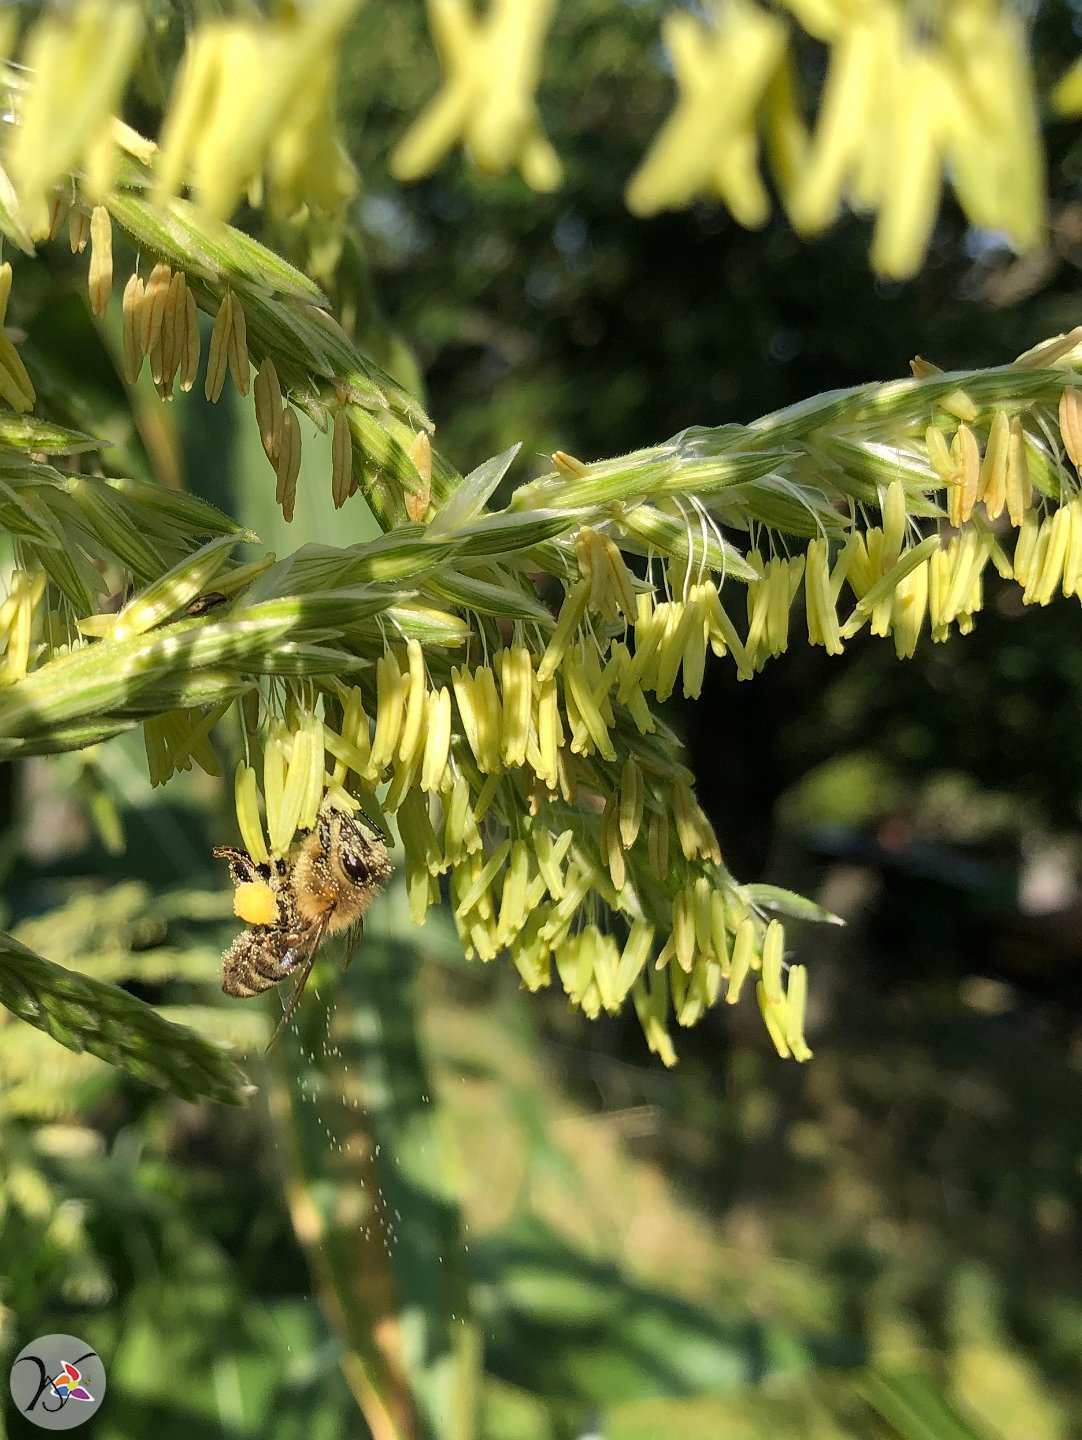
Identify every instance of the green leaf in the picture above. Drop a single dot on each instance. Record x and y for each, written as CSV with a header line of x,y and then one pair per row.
x,y
915,1406
472,493
82,1013
788,902
28,432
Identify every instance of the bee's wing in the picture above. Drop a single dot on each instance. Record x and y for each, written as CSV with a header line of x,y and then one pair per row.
x,y
302,979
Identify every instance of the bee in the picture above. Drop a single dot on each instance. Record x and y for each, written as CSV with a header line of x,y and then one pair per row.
x,y
322,887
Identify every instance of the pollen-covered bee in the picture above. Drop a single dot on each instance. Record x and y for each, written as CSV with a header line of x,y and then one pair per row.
x,y
324,886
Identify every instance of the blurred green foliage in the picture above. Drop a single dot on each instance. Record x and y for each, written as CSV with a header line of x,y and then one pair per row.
x,y
446,1193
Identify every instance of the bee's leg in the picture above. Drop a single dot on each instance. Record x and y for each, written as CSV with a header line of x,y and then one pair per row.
x,y
308,945
242,868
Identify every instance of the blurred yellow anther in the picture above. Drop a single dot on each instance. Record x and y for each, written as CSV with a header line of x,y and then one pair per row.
x,y
489,721
1019,487
650,1006
437,741
237,347
286,778
76,61
152,306
632,801
254,902
1070,423
1047,569
513,911
100,278
567,622
743,954
845,110
820,600
418,501
908,608
267,395
633,959
568,466
189,358
773,1011
460,833
130,332
465,698
411,741
588,728
491,64
1072,565
480,879
17,616
693,829
254,97
773,954
719,932
894,520
1025,547
611,590
658,841
709,143
796,999
516,683
392,687
287,467
612,850
78,229
550,732
218,349
992,485
247,807
957,403
550,857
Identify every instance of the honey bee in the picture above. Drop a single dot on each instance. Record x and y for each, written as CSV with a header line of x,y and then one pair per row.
x,y
322,887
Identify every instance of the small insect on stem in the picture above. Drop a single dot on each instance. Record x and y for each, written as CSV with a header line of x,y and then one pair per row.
x,y
322,887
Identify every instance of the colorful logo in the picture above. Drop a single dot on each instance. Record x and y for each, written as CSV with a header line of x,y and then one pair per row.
x,y
66,1385
57,1382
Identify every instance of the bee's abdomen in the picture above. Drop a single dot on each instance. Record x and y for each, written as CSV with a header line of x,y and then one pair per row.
x,y
256,960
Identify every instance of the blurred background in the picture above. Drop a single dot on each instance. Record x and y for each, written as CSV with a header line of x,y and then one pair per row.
x,y
517,1212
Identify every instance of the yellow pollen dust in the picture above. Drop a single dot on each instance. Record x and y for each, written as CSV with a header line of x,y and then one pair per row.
x,y
254,903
